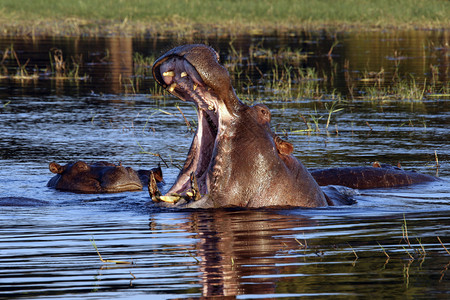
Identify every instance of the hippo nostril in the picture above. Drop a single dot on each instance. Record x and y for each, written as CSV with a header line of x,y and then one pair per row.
x,y
81,166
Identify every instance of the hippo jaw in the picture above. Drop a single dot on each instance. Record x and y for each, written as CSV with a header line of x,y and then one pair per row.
x,y
184,73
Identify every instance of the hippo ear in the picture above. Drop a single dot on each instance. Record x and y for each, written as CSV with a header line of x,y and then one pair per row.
x,y
283,147
56,168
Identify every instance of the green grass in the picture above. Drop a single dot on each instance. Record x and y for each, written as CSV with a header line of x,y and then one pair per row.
x,y
103,17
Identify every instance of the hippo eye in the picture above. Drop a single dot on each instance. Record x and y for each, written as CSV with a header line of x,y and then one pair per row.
x,y
81,166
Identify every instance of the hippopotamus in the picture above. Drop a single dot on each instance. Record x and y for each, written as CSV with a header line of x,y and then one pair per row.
x,y
99,177
235,159
369,177
22,201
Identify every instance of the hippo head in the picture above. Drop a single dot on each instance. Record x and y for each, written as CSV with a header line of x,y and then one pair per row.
x,y
101,177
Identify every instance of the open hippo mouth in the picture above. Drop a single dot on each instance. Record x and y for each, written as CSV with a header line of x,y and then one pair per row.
x,y
175,71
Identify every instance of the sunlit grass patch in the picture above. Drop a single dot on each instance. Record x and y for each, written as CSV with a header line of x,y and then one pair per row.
x,y
144,17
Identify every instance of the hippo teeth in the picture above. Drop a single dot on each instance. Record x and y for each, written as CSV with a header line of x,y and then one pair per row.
x,y
172,87
169,74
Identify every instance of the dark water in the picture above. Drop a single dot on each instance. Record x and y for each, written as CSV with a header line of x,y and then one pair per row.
x,y
46,252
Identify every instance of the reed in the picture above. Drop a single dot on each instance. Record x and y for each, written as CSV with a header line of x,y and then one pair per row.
x,y
11,67
61,69
288,80
143,64
108,260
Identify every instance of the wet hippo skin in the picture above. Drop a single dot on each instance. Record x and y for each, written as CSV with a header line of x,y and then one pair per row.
x,y
22,201
99,177
369,177
235,159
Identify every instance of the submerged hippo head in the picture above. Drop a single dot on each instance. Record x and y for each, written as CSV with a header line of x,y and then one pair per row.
x,y
235,159
100,177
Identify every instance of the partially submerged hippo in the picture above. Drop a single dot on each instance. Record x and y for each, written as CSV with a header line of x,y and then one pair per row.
x,y
235,159
376,176
99,177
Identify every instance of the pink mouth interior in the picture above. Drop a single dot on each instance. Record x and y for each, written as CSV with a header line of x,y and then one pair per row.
x,y
182,80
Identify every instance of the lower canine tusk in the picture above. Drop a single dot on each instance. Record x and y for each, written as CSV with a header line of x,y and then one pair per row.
x,y
170,199
172,87
183,74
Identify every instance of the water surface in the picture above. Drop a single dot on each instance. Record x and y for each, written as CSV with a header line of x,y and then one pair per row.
x,y
116,114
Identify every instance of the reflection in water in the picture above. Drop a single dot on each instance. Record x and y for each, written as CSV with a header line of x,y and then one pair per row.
x,y
46,251
262,253
397,54
121,57
238,250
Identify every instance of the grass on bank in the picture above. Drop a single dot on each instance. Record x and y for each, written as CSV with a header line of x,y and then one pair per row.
x,y
137,17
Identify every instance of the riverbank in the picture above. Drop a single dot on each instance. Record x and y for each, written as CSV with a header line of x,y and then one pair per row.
x,y
226,17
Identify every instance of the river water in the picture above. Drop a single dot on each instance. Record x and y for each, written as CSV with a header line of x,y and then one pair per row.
x,y
386,245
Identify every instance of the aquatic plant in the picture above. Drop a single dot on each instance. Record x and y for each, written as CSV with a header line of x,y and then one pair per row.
x,y
279,56
10,63
60,69
142,65
12,68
